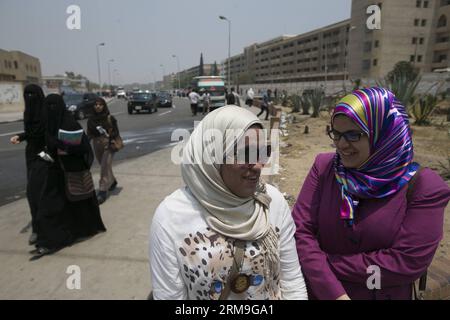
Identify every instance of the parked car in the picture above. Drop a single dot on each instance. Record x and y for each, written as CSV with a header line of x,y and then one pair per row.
x,y
81,105
121,93
165,100
143,101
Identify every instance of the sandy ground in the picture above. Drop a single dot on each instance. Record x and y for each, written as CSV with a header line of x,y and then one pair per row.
x,y
298,151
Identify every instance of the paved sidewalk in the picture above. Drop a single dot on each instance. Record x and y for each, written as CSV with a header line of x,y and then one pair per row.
x,y
113,264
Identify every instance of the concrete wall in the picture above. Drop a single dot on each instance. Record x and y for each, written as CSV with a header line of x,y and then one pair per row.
x,y
429,80
11,97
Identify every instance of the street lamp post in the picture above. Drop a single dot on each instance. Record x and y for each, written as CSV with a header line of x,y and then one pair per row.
x,y
114,76
229,46
98,64
109,71
178,70
163,73
346,57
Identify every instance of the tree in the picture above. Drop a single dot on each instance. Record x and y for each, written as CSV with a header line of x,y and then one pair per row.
x,y
70,74
403,69
201,72
402,81
215,71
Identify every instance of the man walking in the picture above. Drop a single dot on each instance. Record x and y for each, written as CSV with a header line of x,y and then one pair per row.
x,y
194,98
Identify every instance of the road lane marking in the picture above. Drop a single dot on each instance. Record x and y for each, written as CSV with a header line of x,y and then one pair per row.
x,y
10,133
165,113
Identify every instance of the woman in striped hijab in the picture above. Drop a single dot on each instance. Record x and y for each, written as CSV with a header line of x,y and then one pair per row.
x,y
359,235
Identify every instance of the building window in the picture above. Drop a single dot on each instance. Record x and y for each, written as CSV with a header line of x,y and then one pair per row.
x,y
367,46
376,44
425,4
445,3
416,22
414,40
418,3
375,62
424,22
16,65
412,58
442,22
419,58
421,41
6,64
366,64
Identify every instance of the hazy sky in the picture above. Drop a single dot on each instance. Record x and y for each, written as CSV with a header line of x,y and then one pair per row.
x,y
142,35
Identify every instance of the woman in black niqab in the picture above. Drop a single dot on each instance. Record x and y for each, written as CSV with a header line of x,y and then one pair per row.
x,y
60,221
34,135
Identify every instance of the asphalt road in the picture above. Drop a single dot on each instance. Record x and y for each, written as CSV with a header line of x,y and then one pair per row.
x,y
142,133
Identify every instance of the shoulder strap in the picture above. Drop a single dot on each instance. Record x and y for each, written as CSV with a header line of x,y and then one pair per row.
x,y
423,277
237,261
411,183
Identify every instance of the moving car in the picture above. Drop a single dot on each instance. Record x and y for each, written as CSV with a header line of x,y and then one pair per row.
x,y
121,93
165,100
81,105
141,101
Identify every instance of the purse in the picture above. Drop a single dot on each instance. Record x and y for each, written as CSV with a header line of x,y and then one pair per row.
x,y
79,185
116,143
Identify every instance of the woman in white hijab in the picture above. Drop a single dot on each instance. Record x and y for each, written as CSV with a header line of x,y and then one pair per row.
x,y
226,234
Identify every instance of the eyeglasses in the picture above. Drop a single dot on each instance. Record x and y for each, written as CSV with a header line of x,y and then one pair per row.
x,y
349,136
247,155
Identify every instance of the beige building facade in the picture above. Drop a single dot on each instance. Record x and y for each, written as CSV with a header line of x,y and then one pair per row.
x,y
19,66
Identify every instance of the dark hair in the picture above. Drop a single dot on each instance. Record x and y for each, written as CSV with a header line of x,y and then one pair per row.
x,y
101,100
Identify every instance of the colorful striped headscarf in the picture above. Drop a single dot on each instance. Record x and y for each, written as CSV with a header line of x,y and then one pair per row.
x,y
389,167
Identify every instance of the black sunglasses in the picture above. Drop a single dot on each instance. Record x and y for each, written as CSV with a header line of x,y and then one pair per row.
x,y
349,136
251,155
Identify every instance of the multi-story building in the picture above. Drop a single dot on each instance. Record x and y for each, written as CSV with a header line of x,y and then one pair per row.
x,y
16,66
411,30
187,75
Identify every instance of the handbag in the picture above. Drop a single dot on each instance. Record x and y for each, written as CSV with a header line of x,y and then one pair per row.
x,y
79,185
116,143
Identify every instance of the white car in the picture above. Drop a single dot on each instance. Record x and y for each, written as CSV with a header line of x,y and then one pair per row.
x,y
121,93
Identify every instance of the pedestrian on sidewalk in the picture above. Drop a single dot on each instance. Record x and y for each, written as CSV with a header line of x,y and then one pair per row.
x,y
194,98
265,104
367,211
231,97
237,98
206,100
34,135
226,234
61,219
249,98
102,128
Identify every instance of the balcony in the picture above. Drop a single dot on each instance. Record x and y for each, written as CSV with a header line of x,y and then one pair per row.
x,y
441,46
444,29
440,65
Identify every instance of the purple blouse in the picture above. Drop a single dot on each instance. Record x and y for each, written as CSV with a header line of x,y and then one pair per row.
x,y
400,238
